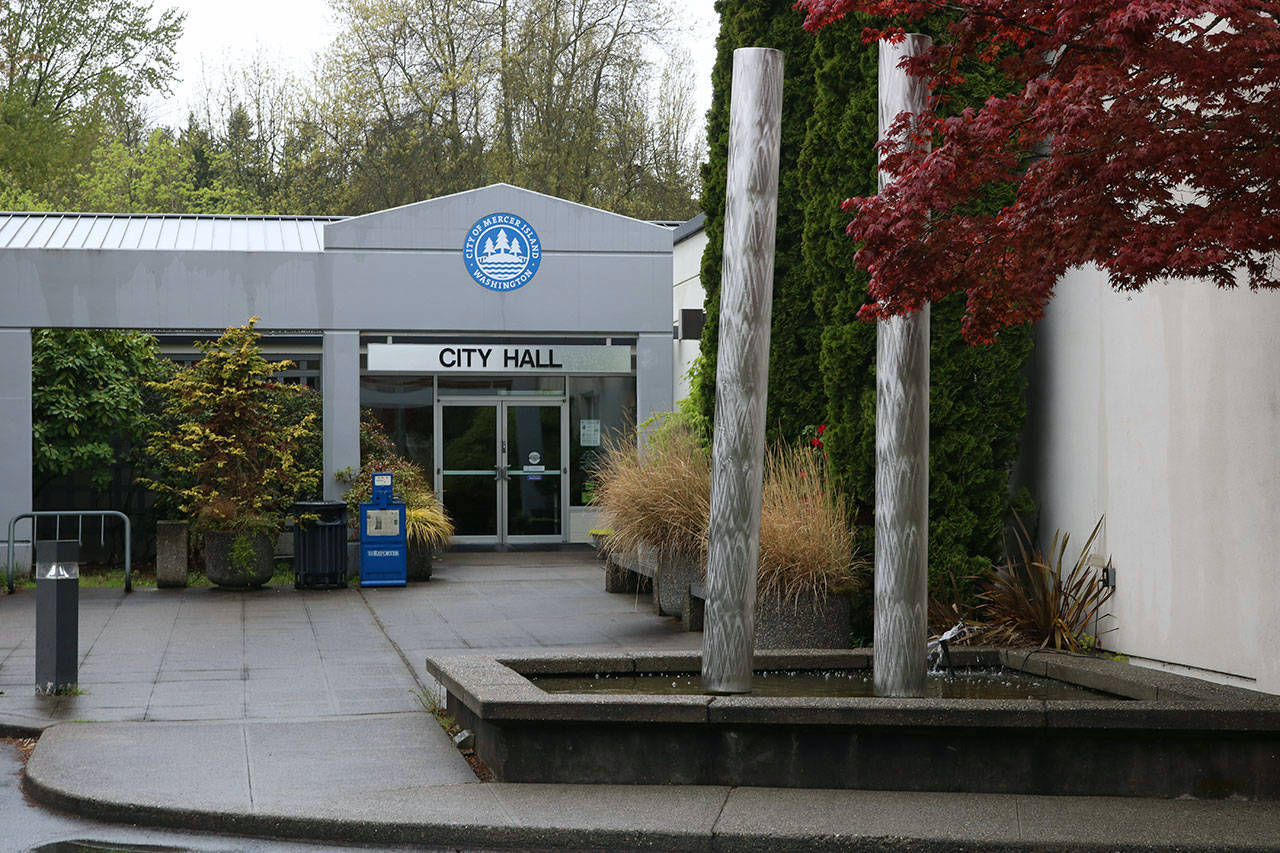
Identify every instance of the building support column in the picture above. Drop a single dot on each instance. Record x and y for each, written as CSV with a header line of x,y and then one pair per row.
x,y
340,387
15,441
655,363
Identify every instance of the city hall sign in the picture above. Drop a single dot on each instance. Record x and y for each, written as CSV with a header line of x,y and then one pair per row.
x,y
497,358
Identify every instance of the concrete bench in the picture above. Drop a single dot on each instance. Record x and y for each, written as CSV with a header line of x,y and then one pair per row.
x,y
695,606
625,573
669,582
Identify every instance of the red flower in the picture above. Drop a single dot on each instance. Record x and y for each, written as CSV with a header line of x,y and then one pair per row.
x,y
822,428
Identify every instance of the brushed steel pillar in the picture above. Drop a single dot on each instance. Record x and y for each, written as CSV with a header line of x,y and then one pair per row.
x,y
902,446
742,370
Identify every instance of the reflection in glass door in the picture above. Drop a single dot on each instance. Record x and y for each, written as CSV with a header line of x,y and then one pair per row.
x,y
469,446
532,469
501,470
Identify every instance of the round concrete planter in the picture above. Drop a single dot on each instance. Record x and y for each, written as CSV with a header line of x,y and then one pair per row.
x,y
418,563
671,582
810,623
217,559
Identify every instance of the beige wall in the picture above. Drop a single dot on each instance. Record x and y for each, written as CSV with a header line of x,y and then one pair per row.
x,y
1162,410
686,263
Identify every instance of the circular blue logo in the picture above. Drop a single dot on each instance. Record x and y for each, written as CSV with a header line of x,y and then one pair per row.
x,y
502,252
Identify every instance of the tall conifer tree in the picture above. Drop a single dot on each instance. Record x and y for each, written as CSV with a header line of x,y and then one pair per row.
x,y
795,389
976,393
822,358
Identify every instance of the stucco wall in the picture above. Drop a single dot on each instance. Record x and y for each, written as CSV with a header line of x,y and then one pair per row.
x,y
1162,410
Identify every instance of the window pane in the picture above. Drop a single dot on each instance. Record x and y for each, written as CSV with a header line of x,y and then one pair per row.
x,y
403,405
599,407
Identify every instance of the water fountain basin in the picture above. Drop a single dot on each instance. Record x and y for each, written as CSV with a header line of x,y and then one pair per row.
x,y
1173,736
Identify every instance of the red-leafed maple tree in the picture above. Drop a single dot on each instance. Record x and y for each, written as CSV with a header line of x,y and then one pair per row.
x,y
1140,136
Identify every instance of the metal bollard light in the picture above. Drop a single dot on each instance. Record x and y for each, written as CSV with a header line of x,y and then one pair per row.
x,y
57,615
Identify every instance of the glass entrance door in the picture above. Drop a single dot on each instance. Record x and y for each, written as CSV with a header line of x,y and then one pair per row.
x,y
501,469
533,470
468,442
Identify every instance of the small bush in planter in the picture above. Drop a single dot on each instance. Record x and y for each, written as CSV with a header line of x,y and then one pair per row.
x,y
427,525
808,565
1043,599
227,449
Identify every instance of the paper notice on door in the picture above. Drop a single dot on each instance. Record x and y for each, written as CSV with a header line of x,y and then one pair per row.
x,y
589,432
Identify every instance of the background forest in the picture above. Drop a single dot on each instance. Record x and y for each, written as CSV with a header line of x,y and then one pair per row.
x,y
582,99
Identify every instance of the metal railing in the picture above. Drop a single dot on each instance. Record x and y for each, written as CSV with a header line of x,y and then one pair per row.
x,y
80,514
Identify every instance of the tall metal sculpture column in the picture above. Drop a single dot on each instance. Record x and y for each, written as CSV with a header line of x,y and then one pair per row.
x,y
742,369
902,445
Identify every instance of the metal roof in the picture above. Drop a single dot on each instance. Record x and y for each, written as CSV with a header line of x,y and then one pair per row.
x,y
168,232
685,230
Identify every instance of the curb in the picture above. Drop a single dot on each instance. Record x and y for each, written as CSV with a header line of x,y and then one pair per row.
x,y
19,730
295,828
472,835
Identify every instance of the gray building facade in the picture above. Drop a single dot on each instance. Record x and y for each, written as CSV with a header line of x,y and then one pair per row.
x,y
499,334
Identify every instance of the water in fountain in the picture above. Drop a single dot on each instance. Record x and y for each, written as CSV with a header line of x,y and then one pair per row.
x,y
942,648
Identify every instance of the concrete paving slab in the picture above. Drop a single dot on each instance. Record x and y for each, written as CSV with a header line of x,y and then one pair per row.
x,y
340,756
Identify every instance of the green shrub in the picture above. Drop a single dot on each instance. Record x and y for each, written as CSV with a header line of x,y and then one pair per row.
x,y
88,400
794,390
225,446
426,522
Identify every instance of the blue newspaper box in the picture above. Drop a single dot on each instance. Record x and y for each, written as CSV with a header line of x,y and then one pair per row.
x,y
383,548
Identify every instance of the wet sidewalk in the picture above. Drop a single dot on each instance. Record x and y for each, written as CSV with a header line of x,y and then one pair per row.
x,y
296,714
204,653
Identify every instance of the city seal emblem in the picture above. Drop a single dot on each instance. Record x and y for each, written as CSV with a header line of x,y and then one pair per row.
x,y
502,252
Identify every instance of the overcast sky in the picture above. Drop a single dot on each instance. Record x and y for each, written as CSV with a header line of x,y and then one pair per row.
x,y
222,34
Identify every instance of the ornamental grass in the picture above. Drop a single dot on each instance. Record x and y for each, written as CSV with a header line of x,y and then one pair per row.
x,y
656,491
427,524
806,540
661,497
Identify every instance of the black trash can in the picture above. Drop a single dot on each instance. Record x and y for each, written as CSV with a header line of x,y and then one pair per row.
x,y
320,545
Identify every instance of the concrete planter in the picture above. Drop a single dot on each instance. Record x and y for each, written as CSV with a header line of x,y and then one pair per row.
x,y
1156,735
353,560
671,582
171,554
218,548
627,560
619,572
597,542
810,623
418,562
624,572
647,566
618,578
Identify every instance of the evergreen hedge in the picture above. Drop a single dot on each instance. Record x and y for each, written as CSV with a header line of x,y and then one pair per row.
x,y
795,391
822,358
